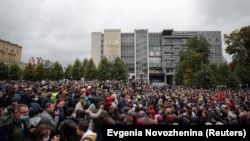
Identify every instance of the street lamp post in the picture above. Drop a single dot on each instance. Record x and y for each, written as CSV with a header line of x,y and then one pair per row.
x,y
47,67
65,73
141,74
204,78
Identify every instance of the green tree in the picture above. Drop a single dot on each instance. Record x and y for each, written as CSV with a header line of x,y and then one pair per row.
x,y
200,45
3,71
15,72
233,80
57,72
90,71
84,66
40,72
191,60
77,71
103,69
223,76
119,70
205,77
222,72
29,72
178,78
191,64
238,45
68,72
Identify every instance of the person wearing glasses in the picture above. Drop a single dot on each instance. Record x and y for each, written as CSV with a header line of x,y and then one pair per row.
x,y
15,126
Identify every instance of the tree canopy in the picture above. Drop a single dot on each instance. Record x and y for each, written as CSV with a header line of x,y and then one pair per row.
x,y
238,45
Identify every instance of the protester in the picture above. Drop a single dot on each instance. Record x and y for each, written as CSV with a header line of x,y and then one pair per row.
x,y
51,115
84,131
42,133
67,128
14,127
124,104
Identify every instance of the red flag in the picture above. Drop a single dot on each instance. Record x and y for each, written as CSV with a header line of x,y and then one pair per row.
x,y
220,96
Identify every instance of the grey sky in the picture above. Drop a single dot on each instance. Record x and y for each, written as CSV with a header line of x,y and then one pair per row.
x,y
60,30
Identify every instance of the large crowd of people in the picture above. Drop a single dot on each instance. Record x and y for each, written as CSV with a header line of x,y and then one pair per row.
x,y
78,110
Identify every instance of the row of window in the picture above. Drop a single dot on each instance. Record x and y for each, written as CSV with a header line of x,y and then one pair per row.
x,y
10,50
182,41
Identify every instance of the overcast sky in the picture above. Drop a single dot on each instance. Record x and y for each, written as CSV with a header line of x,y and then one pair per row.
x,y
60,30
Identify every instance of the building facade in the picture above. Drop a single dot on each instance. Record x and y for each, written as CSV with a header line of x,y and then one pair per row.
x,y
10,53
150,57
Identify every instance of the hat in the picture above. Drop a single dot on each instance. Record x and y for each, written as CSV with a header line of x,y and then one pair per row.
x,y
36,106
33,111
169,117
158,117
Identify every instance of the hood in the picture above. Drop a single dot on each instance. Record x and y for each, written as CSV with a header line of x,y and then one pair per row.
x,y
35,121
89,134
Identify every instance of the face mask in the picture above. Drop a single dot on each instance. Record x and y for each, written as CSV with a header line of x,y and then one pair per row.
x,y
35,99
46,138
24,117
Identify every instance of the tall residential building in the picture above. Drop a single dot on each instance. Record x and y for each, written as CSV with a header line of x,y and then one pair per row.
x,y
151,57
10,53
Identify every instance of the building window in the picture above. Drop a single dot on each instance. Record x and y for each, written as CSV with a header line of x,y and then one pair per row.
x,y
217,40
217,57
184,41
169,48
169,63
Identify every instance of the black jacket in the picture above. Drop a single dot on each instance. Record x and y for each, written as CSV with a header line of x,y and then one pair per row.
x,y
67,130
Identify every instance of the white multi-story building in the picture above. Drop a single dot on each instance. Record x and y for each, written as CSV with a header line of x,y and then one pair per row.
x,y
150,57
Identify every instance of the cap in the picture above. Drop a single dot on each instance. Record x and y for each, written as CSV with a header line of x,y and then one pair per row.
x,y
33,111
36,106
15,99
